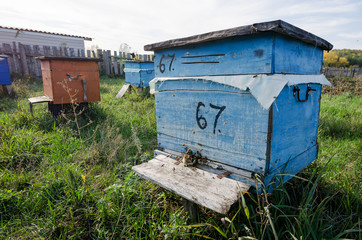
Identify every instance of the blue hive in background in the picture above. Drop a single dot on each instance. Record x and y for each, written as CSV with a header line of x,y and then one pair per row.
x,y
4,71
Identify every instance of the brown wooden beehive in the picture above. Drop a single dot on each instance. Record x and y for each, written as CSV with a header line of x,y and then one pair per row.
x,y
70,80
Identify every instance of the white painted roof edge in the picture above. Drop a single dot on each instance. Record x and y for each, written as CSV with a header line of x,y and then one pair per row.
x,y
265,88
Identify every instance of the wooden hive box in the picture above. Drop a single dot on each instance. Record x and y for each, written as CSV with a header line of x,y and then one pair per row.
x,y
69,79
4,71
246,99
139,74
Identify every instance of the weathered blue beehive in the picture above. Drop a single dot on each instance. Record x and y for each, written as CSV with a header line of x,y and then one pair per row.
x,y
4,71
139,74
244,100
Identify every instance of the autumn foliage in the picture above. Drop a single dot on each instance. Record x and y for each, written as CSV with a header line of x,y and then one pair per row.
x,y
342,58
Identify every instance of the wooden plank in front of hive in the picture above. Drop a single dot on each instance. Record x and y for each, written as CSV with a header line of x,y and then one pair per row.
x,y
247,55
193,184
225,127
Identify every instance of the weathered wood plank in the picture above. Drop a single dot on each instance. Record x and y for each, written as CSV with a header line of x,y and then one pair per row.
x,y
100,56
193,184
46,50
39,99
290,167
34,100
8,51
115,63
295,124
218,167
249,55
123,90
188,119
16,58
24,65
109,62
294,56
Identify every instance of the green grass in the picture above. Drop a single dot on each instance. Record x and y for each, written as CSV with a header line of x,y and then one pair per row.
x,y
71,178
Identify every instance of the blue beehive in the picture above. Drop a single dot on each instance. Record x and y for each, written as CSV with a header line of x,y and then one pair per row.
x,y
139,74
4,71
244,100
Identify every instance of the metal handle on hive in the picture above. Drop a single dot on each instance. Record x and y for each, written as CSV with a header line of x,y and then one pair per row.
x,y
296,91
71,78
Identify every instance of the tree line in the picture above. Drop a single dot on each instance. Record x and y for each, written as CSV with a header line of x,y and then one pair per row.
x,y
343,58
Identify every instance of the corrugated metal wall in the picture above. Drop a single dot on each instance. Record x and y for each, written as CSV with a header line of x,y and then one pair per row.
x,y
32,38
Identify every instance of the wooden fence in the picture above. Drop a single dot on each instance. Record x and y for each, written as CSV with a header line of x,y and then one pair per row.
x,y
342,72
21,58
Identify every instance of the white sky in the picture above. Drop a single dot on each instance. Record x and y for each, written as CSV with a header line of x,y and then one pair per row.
x,y
140,22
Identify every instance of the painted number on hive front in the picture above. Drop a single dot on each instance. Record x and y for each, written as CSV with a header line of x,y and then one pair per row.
x,y
201,120
162,65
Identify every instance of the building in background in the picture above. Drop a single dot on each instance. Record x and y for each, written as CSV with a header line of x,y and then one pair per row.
x,y
8,35
23,45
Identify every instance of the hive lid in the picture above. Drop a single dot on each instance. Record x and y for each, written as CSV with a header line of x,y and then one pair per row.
x,y
278,26
265,88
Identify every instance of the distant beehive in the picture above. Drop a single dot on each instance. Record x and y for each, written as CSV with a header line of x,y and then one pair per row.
x,y
4,71
67,80
246,98
139,74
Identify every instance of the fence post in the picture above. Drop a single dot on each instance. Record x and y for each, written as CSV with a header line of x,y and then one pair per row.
x,y
24,64
115,63
100,56
16,60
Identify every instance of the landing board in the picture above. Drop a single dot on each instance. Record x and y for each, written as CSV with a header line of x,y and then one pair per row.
x,y
196,185
123,90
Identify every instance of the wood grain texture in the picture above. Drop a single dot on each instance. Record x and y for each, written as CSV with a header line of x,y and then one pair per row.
x,y
296,57
123,90
193,184
40,99
257,54
295,124
217,168
55,80
290,168
248,55
237,139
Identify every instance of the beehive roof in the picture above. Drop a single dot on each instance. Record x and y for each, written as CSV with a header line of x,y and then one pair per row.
x,y
278,26
45,32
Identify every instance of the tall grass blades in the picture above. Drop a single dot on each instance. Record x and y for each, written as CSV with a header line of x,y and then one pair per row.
x,y
70,177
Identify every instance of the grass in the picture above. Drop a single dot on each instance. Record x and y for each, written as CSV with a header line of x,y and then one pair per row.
x,y
72,179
